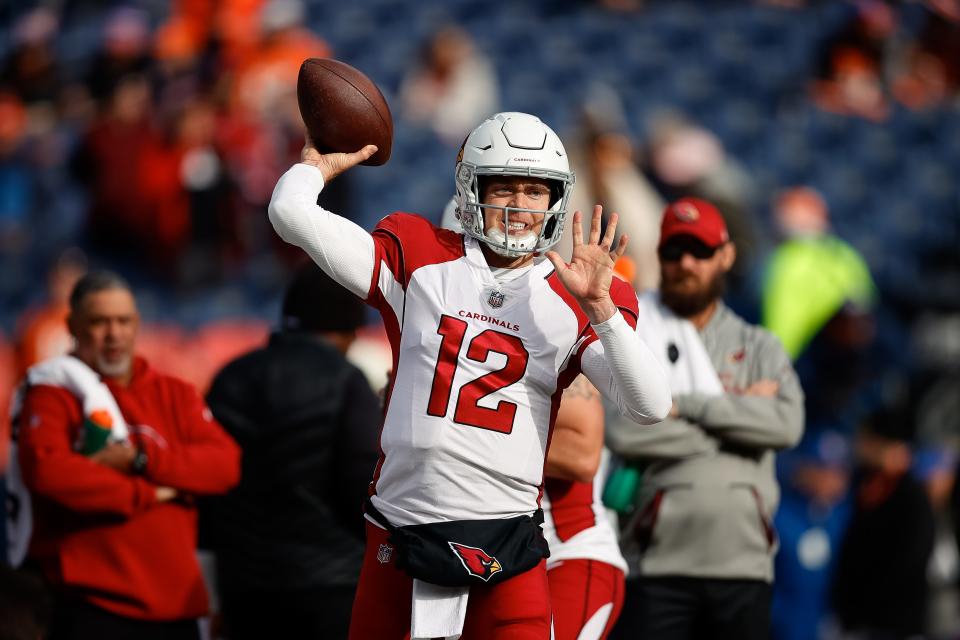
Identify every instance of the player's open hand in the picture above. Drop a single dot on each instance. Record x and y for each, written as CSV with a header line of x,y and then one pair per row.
x,y
333,164
590,272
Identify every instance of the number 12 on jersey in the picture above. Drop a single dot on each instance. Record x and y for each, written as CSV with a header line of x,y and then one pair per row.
x,y
468,411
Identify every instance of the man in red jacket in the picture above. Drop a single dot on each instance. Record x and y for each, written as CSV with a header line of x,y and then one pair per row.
x,y
115,529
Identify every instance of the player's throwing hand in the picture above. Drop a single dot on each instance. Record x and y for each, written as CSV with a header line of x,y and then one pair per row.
x,y
590,271
333,164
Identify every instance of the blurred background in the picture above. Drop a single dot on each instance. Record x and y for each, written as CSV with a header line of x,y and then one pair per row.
x,y
146,136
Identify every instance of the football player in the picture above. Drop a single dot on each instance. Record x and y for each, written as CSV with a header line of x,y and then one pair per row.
x,y
586,570
486,334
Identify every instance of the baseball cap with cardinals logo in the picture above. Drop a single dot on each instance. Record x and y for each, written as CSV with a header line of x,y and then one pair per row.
x,y
693,217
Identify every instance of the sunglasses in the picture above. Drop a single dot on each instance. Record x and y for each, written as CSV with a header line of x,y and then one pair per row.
x,y
674,251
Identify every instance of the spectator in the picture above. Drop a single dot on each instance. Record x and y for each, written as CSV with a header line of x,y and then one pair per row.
x,y
703,529
686,159
16,181
42,331
934,464
604,160
813,516
184,180
929,72
854,64
111,162
58,205
452,88
32,69
261,132
112,453
881,587
231,27
289,539
124,52
923,82
819,298
868,29
812,275
159,194
854,86
266,84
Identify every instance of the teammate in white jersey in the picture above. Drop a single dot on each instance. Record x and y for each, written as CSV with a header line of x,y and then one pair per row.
x,y
485,337
586,570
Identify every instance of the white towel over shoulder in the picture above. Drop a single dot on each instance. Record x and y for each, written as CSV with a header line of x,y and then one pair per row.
x,y
660,328
85,384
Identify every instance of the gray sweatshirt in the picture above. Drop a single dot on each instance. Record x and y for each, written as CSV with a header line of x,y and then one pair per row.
x,y
706,501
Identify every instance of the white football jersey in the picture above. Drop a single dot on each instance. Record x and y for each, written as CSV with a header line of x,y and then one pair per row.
x,y
576,524
478,371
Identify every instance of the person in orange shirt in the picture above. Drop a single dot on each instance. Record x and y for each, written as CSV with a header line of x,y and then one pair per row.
x,y
266,79
42,331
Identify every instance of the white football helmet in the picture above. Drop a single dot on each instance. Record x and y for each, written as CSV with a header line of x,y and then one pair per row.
x,y
514,144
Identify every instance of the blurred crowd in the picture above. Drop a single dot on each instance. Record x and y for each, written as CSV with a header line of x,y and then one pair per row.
x,y
150,140
154,150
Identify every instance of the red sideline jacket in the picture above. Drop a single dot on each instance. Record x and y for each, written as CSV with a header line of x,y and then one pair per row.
x,y
98,533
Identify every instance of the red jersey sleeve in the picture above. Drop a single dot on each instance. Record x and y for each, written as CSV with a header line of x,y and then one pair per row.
x,y
625,298
404,242
49,422
203,459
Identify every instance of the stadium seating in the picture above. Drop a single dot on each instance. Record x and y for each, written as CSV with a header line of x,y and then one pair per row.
x,y
740,69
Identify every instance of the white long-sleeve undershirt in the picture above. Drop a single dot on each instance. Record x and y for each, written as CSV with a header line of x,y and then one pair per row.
x,y
625,371
343,250
618,364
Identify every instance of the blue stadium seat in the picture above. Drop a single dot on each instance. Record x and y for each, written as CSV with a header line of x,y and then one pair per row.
x,y
845,187
740,123
878,153
79,41
949,139
680,24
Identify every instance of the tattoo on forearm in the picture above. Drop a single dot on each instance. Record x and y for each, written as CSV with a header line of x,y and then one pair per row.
x,y
581,388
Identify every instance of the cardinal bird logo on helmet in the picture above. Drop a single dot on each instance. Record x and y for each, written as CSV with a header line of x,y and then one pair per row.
x,y
476,561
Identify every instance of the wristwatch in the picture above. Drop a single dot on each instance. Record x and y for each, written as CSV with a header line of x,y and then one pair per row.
x,y
139,464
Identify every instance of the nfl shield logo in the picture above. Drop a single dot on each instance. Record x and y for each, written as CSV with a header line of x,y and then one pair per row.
x,y
384,553
495,300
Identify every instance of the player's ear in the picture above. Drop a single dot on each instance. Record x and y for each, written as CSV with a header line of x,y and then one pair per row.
x,y
728,255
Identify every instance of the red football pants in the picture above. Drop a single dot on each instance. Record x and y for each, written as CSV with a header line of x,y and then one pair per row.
x,y
518,608
587,596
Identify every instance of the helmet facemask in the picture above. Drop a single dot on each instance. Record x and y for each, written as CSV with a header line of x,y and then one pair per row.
x,y
470,182
546,161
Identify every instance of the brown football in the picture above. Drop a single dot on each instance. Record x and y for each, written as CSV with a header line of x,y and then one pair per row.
x,y
343,109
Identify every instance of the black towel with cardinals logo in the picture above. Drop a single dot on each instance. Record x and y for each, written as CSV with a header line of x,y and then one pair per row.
x,y
476,561
465,552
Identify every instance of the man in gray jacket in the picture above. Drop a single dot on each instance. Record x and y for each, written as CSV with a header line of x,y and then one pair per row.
x,y
702,537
